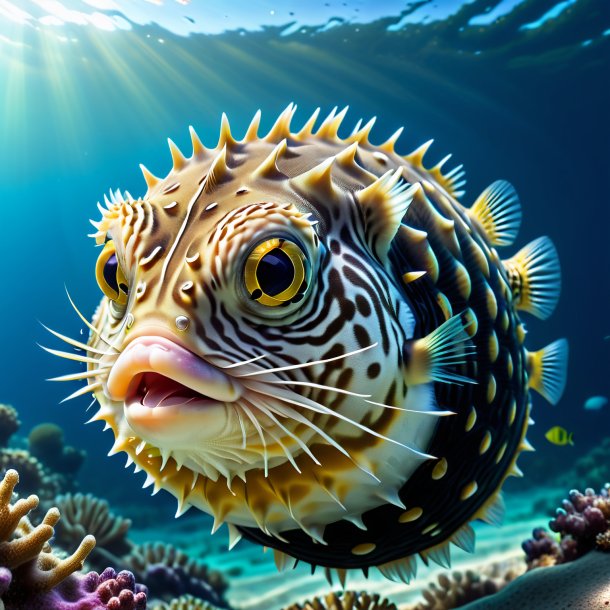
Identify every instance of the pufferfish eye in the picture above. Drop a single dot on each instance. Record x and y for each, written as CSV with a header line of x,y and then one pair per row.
x,y
276,272
110,276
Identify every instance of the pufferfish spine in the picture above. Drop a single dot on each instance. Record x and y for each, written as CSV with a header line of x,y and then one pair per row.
x,y
311,339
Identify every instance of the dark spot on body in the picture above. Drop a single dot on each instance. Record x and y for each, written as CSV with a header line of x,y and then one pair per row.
x,y
364,309
373,370
362,336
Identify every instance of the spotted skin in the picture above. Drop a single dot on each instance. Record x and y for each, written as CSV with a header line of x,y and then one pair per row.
x,y
365,416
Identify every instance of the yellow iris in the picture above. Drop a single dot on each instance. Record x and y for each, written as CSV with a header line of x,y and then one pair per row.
x,y
110,276
276,272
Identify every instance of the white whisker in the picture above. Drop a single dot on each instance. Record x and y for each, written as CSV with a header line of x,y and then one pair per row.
x,y
243,428
249,361
78,376
76,343
318,386
318,408
435,413
91,404
69,355
302,365
257,425
287,453
85,321
292,413
85,390
269,413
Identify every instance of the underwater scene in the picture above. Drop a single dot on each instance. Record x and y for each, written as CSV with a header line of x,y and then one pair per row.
x,y
347,325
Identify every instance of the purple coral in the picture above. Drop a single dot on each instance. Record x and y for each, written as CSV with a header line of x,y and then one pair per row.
x,y
582,522
92,591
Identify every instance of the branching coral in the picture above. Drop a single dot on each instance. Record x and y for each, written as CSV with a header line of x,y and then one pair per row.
x,y
349,600
462,588
25,550
9,423
582,522
169,573
33,577
83,514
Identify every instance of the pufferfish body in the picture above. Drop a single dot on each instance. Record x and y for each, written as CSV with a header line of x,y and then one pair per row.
x,y
308,337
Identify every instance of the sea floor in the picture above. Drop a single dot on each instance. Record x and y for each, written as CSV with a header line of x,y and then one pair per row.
x,y
255,583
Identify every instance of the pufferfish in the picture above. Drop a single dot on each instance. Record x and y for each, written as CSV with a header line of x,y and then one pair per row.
x,y
310,338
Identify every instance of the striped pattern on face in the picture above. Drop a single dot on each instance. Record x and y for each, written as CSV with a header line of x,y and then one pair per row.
x,y
317,344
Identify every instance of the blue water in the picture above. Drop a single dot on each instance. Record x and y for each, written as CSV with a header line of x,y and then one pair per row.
x,y
522,96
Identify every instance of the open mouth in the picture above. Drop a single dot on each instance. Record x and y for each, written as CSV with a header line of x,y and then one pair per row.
x,y
154,372
172,397
156,391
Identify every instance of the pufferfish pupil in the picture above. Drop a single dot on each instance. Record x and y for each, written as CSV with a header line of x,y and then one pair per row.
x,y
275,272
321,347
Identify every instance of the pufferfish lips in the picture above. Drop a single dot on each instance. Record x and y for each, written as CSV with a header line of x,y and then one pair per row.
x,y
165,388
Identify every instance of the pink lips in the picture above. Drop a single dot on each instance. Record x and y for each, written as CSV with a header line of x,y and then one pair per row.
x,y
155,371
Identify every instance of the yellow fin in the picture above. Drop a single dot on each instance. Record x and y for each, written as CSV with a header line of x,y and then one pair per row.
x,y
547,370
498,210
432,357
535,277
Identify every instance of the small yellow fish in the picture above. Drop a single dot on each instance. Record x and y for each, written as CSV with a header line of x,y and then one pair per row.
x,y
559,436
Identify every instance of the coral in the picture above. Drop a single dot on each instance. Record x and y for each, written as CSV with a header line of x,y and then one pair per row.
x,y
461,588
115,591
582,522
32,577
9,423
602,541
349,600
92,591
578,585
32,475
542,550
24,549
186,602
83,514
169,573
46,442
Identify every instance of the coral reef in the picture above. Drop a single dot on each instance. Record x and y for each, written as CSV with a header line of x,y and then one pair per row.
x,y
47,468
32,577
9,423
169,573
33,478
116,591
83,514
577,585
24,549
460,588
349,600
46,442
186,602
583,524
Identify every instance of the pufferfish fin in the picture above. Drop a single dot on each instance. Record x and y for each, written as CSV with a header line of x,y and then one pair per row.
x,y
547,370
384,204
535,277
498,210
432,357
